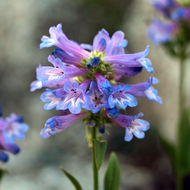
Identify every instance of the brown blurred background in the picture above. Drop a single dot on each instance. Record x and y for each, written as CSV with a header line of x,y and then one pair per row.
x,y
144,164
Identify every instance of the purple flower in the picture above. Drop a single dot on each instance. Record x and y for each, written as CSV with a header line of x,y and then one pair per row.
x,y
85,81
113,112
165,7
146,89
132,125
75,98
51,99
11,129
58,38
160,32
177,20
57,75
125,61
96,98
59,123
111,46
181,13
103,84
120,97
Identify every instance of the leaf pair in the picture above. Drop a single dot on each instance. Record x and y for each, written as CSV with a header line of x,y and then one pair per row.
x,y
100,149
112,174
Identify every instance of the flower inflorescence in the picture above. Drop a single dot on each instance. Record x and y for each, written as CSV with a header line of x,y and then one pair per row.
x,y
11,128
174,28
83,82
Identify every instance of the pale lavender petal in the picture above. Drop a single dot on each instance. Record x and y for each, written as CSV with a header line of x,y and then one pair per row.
x,y
128,135
101,40
117,44
86,46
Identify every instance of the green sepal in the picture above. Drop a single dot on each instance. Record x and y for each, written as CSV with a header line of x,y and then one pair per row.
x,y
100,150
73,180
112,175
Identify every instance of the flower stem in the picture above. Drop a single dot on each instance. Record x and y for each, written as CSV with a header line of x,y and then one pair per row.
x,y
181,86
2,172
179,182
179,176
95,170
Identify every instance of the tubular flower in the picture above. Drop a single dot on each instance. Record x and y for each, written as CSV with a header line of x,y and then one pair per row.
x,y
11,128
83,82
132,125
176,21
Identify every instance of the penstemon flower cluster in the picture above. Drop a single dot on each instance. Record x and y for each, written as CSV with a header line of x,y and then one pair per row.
x,y
83,82
173,33
174,28
11,128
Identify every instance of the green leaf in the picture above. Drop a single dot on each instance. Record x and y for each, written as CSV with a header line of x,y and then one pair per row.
x,y
72,179
100,150
169,148
112,175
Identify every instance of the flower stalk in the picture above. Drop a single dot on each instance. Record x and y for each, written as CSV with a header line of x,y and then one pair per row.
x,y
85,81
179,176
181,85
95,169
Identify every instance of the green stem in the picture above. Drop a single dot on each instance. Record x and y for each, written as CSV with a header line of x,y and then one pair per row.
x,y
181,86
179,177
95,170
179,182
2,172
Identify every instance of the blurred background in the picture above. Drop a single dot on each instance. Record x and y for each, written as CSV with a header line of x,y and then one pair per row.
x,y
144,163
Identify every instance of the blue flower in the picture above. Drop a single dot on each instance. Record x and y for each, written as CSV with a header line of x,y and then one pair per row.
x,y
14,129
51,99
132,125
103,84
57,124
84,78
120,97
96,99
146,89
11,128
56,35
130,60
176,16
113,112
165,7
160,32
180,13
75,98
